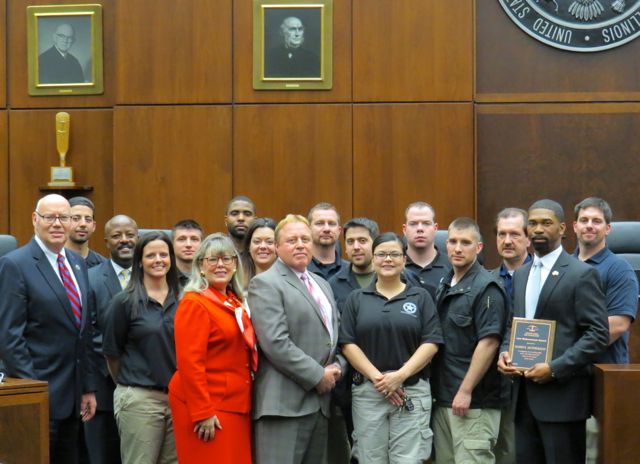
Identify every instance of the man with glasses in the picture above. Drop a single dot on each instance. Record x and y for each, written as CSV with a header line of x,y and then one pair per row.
x,y
472,306
83,225
57,65
45,324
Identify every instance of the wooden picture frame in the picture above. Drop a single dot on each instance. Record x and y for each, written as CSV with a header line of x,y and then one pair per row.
x,y
292,45
64,49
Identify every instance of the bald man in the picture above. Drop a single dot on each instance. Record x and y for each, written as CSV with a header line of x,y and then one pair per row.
x,y
45,324
57,65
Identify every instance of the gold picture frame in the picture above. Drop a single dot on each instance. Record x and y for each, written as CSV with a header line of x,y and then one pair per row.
x,y
292,45
64,49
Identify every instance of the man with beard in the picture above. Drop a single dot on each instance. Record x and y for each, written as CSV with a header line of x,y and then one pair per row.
x,y
325,232
241,211
83,225
553,400
186,237
424,260
620,286
106,280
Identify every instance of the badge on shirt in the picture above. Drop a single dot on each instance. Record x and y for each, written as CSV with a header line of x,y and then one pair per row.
x,y
409,308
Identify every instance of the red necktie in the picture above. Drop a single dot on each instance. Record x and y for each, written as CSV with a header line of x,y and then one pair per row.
x,y
72,291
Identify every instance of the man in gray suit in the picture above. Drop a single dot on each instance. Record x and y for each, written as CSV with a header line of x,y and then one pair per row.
x,y
296,321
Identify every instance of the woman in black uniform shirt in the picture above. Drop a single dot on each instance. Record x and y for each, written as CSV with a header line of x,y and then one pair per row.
x,y
389,334
138,344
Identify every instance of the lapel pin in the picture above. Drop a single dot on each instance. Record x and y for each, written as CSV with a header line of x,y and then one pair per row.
x,y
77,267
555,273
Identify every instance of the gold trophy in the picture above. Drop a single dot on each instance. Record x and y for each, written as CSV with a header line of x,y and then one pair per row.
x,y
62,176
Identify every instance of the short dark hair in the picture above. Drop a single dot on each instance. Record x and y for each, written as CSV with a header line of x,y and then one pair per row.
x,y
512,213
420,205
465,223
82,201
551,205
595,202
365,223
240,198
389,237
186,224
321,207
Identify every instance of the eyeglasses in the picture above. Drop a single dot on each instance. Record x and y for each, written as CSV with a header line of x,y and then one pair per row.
x,y
78,218
51,218
213,260
382,255
67,38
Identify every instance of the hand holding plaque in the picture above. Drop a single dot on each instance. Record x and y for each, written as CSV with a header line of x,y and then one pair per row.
x,y
62,175
531,342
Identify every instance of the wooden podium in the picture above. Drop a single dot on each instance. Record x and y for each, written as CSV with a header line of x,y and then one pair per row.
x,y
24,421
617,409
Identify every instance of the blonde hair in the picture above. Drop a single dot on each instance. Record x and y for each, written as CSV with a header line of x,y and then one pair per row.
x,y
290,219
214,245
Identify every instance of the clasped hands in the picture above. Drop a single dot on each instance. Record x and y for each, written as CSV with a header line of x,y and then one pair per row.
x,y
332,374
539,373
389,384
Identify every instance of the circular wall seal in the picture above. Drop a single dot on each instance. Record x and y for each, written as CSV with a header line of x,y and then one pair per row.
x,y
577,25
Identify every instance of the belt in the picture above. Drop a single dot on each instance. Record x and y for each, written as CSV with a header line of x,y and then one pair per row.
x,y
150,387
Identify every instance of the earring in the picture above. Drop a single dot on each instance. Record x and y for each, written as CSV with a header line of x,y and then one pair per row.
x,y
202,274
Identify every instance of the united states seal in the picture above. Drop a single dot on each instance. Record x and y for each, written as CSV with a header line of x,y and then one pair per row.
x,y
577,25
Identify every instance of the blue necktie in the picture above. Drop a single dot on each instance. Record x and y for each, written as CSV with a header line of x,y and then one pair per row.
x,y
533,290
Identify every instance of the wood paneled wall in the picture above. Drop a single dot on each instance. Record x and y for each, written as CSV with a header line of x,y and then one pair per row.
x,y
179,129
447,102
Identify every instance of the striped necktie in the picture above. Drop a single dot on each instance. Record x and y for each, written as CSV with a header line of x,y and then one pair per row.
x,y
72,291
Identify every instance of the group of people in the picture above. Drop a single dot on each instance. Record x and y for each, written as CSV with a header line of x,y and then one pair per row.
x,y
263,345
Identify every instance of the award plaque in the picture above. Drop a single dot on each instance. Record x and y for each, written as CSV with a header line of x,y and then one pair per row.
x,y
531,342
62,175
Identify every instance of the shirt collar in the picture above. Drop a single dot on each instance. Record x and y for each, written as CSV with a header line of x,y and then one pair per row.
x,y
117,268
47,252
597,258
549,259
504,272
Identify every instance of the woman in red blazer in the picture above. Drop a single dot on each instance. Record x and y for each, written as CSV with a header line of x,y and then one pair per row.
x,y
210,393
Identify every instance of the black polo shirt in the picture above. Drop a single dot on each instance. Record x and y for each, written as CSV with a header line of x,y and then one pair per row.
x,y
432,274
144,345
326,271
390,331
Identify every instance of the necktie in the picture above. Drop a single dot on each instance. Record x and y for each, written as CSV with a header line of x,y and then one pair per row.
x,y
124,276
314,294
72,291
533,290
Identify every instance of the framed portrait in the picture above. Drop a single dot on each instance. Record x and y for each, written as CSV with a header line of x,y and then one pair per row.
x,y
64,49
292,44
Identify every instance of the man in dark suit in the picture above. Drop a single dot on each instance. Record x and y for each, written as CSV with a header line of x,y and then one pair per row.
x,y
291,59
297,329
57,65
45,326
553,400
106,280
